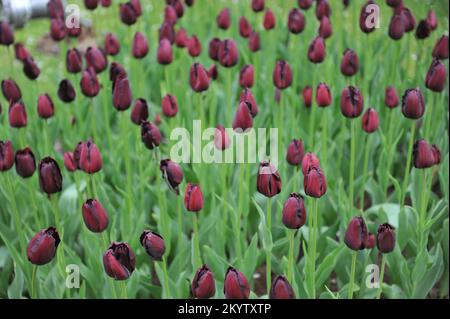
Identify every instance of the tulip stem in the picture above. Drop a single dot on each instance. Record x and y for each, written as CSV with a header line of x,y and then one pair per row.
x,y
15,211
324,137
197,257
123,285
33,282
364,176
422,209
381,279
166,279
408,163
352,165
239,212
180,225
314,248
60,256
290,273
352,275
268,252
45,133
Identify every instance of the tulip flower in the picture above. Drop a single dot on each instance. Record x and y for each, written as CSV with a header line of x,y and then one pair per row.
x,y
349,63
50,178
294,212
42,247
119,261
164,54
316,50
269,20
246,76
128,15
352,102
193,198
440,50
325,28
66,91
90,158
385,238
25,162
309,161
413,104
6,156
323,95
194,46
112,44
17,115
150,135
228,53
307,96
394,3
203,285
366,23
139,113
423,30
396,27
169,105
244,27
213,49
55,9
296,21
295,152
221,138
6,34
436,76
408,18
322,9
247,96
57,29
314,182
11,91
281,289
172,174
74,61
91,4
136,5
236,285
122,93
254,42
69,162
390,97
74,32
21,52
425,155
268,181
181,38
213,72
89,84
257,5
96,58
95,216
166,31
198,78
356,234
223,19
243,119
282,75
432,20
305,4
140,46
154,244
370,120
170,15
31,69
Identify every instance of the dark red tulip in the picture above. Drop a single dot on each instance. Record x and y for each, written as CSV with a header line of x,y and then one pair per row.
x,y
198,78
356,235
20,52
269,20
370,120
25,162
425,155
309,161
6,34
223,19
140,46
122,93
119,261
247,96
77,154
136,4
128,15
213,72
90,158
181,38
66,92
57,29
11,90
352,102
179,8
296,21
55,9
349,63
112,44
17,115
322,9
323,95
116,71
164,54
193,198
281,289
408,19
45,108
440,50
166,31
268,180
74,61
394,3
74,32
69,162
228,53
244,27
294,212
221,138
254,43
367,18
169,105
31,69
150,135
390,97
106,3
172,174
396,27
139,113
89,83
97,59
307,96
42,247
436,76
194,46
243,119
50,178
316,50
423,30
385,238
95,216
305,4
282,75
236,285
325,28
315,183
154,244
432,20
91,4
203,285
370,243
170,15
295,152
6,156
413,104
246,76
213,49
257,5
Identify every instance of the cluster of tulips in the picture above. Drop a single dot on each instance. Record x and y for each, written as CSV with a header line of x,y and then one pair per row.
x,y
119,260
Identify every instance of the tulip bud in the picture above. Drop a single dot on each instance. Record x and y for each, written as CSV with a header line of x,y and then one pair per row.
x,y
136,4
246,76
154,244
31,69
17,115
257,5
213,73
223,19
228,53
55,9
170,15
296,21
97,59
244,27
127,14
394,3
119,261
243,119
21,53
194,46
95,216
90,86
236,285
432,20
42,247
91,4
69,162
356,235
413,104
77,154
203,285
45,108
396,27
322,9
436,76
294,212
140,46
315,183
116,71
74,61
139,113
112,44
366,16
74,32
295,152
309,161
423,30
11,90
269,20
179,8
213,49
122,93
172,174
90,158
6,34
282,75
169,105
166,31
349,63
385,238
57,29
316,50
323,95
181,38
281,289
193,198
6,156
408,19
440,50
150,135
254,42
66,92
352,102
106,3
425,155
305,4
268,181
307,96
198,78
390,97
50,178
25,163
370,243
189,3
247,96
221,138
164,54
325,28
370,120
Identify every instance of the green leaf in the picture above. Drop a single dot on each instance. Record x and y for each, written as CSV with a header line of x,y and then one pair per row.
x,y
327,265
424,284
16,288
265,234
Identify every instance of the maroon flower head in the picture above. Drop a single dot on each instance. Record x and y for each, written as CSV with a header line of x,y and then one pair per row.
x,y
74,61
25,162
322,9
89,84
50,178
213,49
305,4
31,69
257,5
325,28
128,15
246,76
408,18
432,20
440,50
166,31
119,261
90,158
254,42
370,120
122,97
396,27
423,30
17,115
203,285
223,19
281,289
154,244
56,9
198,78
69,162
247,96
194,46
228,53
390,97
436,76
356,234
91,4
6,34
309,161
193,198
213,72
140,46
11,90
296,21
221,138
66,91
367,17
315,183
269,21
172,174
46,108
316,50
112,44
349,63
169,105
282,75
243,119
181,38
21,52
413,104
385,238
307,93
295,152
323,95
294,212
6,156
268,181
352,102
236,285
96,58
425,155
95,216
57,29
244,27
42,247
170,15
164,54
139,113
150,135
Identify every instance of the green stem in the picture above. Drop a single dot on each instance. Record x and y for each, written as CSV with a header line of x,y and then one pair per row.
x,y
381,279
352,164
60,256
268,252
197,256
16,216
364,176
239,212
290,273
352,275
166,279
314,248
408,163
325,138
123,285
422,210
33,282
